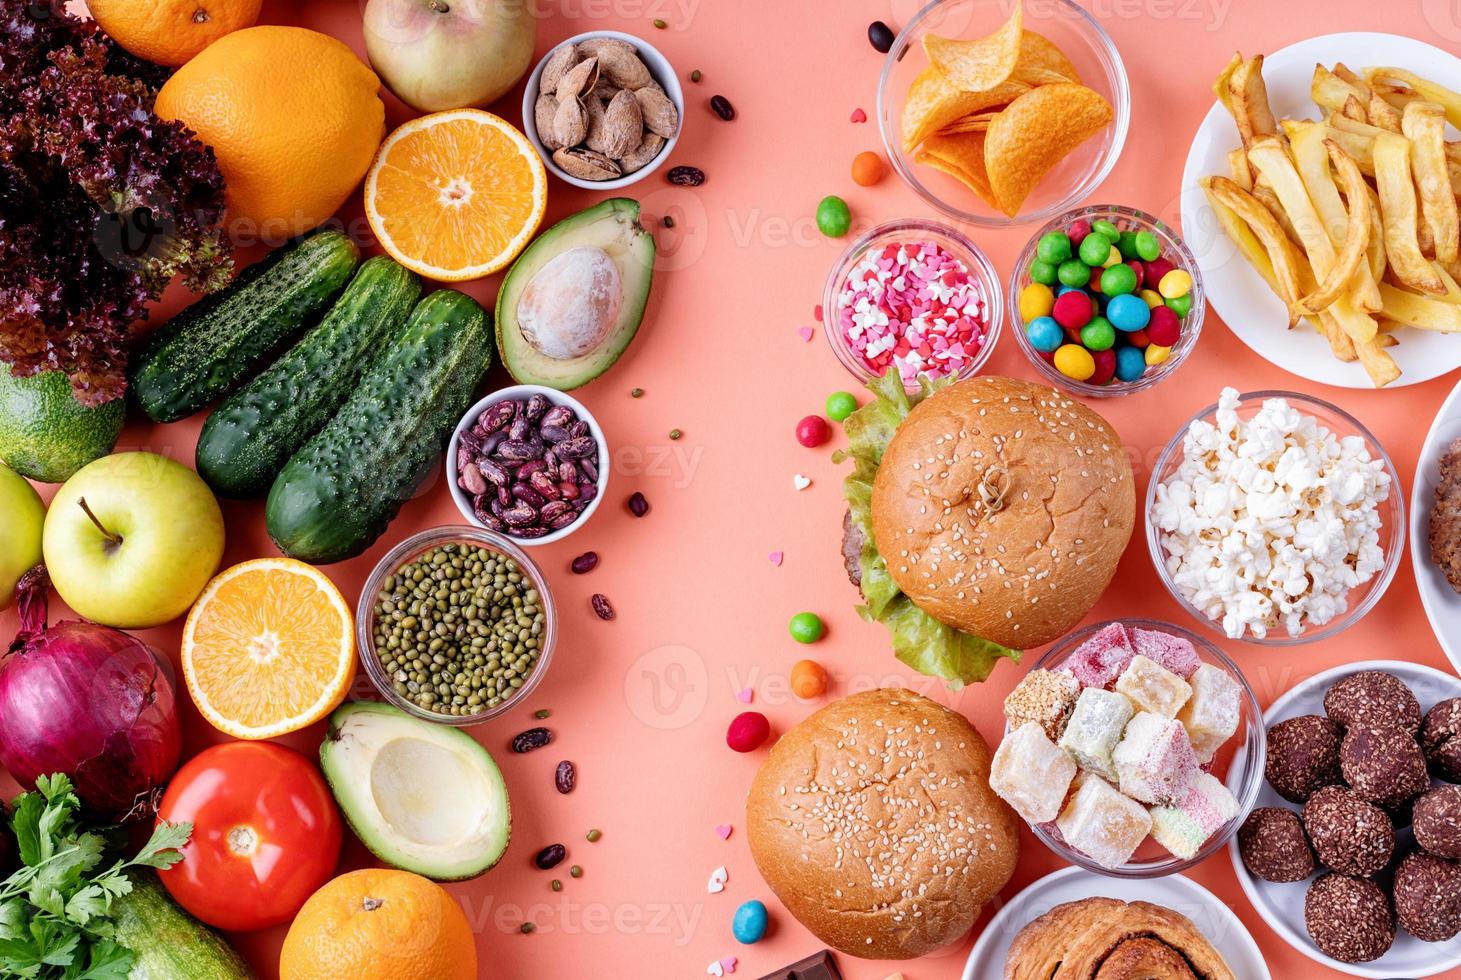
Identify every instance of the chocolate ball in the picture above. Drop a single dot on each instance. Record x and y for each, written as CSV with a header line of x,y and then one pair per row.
x,y
1440,738
1303,755
1349,918
1383,765
1349,835
1437,821
1428,896
1273,846
1372,697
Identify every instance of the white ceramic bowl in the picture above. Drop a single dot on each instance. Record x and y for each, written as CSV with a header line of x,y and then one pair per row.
x,y
555,397
659,66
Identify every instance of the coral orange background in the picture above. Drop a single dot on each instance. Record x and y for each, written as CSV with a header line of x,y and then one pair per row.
x,y
641,704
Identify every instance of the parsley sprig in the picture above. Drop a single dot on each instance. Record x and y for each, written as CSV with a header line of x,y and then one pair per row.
x,y
55,912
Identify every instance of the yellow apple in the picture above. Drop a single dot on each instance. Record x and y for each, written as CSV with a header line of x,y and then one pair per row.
x,y
21,517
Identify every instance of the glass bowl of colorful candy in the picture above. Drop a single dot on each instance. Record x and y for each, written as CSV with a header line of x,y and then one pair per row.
x,y
1120,745
914,295
1106,300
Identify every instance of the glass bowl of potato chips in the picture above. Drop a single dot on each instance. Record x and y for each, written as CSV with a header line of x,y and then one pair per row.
x,y
1000,115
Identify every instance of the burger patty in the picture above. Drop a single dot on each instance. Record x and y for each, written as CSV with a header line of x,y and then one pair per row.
x,y
852,538
1445,525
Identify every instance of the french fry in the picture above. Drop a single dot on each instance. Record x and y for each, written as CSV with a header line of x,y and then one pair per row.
x,y
1415,310
1266,229
1383,114
1349,231
1263,191
1354,109
1378,262
1340,345
1378,364
1249,101
1448,100
1242,236
1341,70
1424,124
1398,96
1360,148
1329,91
1453,291
1398,215
1239,170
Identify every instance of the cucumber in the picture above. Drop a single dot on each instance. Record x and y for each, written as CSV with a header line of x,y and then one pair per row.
x,y
208,348
252,433
338,493
169,943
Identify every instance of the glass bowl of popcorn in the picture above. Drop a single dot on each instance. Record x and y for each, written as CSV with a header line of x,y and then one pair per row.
x,y
1275,518
1133,748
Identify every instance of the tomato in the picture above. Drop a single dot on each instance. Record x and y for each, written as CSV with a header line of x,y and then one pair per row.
x,y
266,834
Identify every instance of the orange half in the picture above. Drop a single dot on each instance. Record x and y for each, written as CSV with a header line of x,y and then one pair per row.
x,y
268,648
456,195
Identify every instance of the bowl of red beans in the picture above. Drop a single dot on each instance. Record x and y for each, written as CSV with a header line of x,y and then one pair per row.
x,y
1106,300
915,296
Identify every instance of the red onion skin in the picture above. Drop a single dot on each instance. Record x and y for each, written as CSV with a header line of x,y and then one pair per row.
x,y
92,702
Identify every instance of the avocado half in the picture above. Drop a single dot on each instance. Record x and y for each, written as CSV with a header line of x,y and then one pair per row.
x,y
422,797
574,299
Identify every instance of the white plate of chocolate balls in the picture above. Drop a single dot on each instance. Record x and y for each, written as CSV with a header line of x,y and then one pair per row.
x,y
1353,853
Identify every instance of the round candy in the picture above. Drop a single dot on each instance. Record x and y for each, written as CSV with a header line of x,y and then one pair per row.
x,y
1036,300
1157,268
1152,297
806,627
808,679
840,404
1043,272
1176,283
1138,270
748,731
1130,363
749,923
1113,256
1098,334
1106,229
1073,310
1180,305
1078,230
812,431
1148,247
1044,334
1053,247
1127,244
867,168
1118,280
1105,361
1094,249
1094,285
1127,313
833,216
1073,272
1164,328
1156,353
1075,362
1138,338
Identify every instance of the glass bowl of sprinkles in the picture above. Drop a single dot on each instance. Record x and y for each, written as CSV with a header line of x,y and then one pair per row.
x,y
914,295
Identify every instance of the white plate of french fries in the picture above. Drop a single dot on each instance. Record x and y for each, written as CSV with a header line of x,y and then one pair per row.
x,y
1319,198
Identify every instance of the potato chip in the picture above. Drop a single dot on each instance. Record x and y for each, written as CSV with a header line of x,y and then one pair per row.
x,y
1034,133
1041,62
976,122
982,63
933,102
961,156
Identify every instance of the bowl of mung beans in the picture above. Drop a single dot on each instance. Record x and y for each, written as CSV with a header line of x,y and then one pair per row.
x,y
456,625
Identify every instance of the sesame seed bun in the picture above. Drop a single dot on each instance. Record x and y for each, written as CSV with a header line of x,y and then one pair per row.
x,y
874,823
1002,507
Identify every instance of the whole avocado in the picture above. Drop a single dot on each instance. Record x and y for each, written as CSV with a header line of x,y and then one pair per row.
x,y
45,433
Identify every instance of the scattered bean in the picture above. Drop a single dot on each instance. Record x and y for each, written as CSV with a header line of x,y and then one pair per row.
x,y
721,106
541,713
695,76
675,433
566,777
637,505
601,606
594,835
550,856
575,872
556,885
584,563
880,36
526,928
686,176
668,221
533,738
636,392
660,23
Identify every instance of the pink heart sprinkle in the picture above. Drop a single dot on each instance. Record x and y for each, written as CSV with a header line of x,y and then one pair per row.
x,y
817,312
776,557
729,964
744,695
723,831
805,333
858,116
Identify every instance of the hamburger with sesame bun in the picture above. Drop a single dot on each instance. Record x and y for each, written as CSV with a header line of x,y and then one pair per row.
x,y
985,517
874,824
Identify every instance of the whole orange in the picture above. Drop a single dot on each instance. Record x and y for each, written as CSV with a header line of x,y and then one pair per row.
x,y
169,32
379,924
294,118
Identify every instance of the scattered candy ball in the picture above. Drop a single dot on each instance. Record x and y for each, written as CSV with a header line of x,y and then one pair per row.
x,y
812,431
840,404
1094,251
1118,280
834,218
748,731
806,627
867,168
750,921
808,679
1148,247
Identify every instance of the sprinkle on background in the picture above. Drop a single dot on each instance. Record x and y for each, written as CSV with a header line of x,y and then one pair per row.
x,y
858,116
723,831
745,695
805,333
801,482
775,558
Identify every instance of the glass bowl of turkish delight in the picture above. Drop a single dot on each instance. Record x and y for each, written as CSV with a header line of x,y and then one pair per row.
x,y
1120,744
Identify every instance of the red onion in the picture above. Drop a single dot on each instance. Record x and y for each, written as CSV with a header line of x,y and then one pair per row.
x,y
90,701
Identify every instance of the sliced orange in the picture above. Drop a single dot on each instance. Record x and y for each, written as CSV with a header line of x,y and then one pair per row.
x,y
268,648
456,195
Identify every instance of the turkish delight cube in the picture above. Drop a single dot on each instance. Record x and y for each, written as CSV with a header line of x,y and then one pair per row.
x,y
1101,659
1095,728
1154,759
1045,697
1031,773
1152,687
1184,826
1211,715
1102,823
1176,653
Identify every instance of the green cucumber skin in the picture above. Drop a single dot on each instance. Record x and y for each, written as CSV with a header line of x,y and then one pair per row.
x,y
252,433
169,943
338,493
209,347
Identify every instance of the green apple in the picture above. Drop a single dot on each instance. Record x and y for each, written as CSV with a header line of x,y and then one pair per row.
x,y
132,539
21,517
